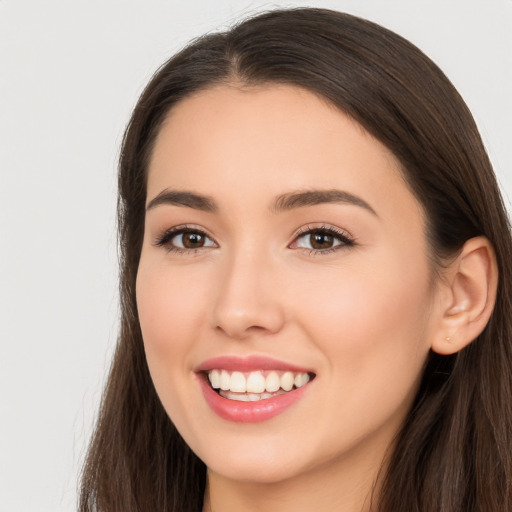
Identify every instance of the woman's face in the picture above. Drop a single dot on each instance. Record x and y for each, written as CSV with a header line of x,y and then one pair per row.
x,y
281,244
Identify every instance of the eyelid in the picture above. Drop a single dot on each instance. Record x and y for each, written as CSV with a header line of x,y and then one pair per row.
x,y
343,236
347,240
164,238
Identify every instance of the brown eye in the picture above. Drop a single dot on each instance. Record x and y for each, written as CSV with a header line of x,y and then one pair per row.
x,y
185,239
192,240
321,240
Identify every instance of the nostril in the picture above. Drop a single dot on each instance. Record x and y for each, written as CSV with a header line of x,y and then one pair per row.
x,y
239,329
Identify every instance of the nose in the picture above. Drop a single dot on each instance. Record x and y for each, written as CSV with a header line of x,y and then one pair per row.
x,y
248,301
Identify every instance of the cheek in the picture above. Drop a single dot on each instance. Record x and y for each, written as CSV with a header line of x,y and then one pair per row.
x,y
372,327
169,305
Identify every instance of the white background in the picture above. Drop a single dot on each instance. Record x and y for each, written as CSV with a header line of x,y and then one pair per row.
x,y
70,72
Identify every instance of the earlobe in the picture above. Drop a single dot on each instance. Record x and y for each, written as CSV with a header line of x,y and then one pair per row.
x,y
469,296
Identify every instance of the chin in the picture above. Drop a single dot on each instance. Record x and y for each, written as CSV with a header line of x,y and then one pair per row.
x,y
259,461
256,472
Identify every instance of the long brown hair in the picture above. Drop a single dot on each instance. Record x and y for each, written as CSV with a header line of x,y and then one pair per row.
x,y
454,452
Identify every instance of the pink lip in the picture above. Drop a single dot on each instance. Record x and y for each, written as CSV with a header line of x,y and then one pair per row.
x,y
248,412
248,364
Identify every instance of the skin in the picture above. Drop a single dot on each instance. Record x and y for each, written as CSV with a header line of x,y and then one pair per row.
x,y
362,316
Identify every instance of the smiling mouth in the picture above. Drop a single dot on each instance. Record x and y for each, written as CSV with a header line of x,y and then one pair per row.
x,y
256,385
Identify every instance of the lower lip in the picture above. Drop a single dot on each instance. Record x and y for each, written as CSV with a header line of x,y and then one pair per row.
x,y
250,412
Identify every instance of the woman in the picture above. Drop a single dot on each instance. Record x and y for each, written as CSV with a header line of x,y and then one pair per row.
x,y
315,284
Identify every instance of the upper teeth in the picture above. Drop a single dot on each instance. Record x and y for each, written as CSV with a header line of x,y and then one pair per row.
x,y
256,382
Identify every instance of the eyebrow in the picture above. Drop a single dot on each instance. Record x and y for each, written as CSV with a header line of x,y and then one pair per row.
x,y
294,200
183,198
284,202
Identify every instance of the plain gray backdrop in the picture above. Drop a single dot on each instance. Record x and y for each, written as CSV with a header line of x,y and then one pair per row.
x,y
70,72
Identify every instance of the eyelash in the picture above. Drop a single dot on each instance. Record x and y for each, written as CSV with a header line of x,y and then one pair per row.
x,y
342,236
165,239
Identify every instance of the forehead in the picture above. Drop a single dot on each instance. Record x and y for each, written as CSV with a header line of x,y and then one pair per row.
x,y
268,140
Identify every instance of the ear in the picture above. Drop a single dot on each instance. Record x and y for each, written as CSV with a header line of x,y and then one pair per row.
x,y
468,294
